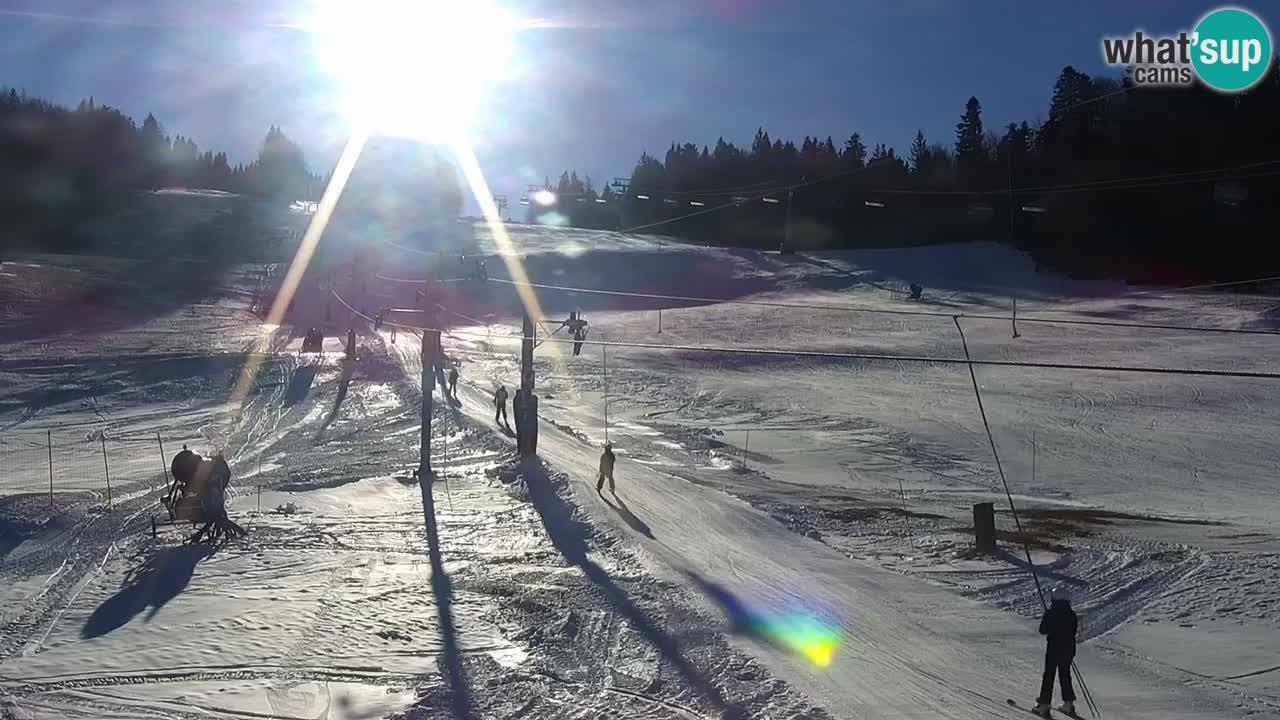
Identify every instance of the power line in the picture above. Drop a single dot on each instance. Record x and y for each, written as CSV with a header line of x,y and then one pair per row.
x,y
357,313
888,311
926,359
1205,286
1127,183
1026,546
1138,178
1184,288
917,358
1156,291
1102,186
418,281
713,191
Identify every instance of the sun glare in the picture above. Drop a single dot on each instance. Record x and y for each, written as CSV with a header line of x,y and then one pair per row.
x,y
412,68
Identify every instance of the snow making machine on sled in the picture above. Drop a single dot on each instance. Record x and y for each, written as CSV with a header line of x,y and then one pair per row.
x,y
198,495
313,341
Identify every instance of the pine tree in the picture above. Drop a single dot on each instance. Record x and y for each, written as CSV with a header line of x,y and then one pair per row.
x,y
970,148
855,153
155,151
280,171
827,152
809,150
919,153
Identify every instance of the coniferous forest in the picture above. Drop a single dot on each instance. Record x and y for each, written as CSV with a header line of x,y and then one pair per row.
x,y
1145,184
64,172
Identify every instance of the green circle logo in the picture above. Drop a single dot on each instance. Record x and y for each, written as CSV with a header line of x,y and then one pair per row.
x,y
1232,49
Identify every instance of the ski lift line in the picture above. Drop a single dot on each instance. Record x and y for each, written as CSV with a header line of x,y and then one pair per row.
x,y
398,326
1004,480
1128,183
1185,288
1156,370
417,281
1205,286
999,466
464,317
887,311
1096,186
1122,90
717,191
869,356
1159,176
1102,186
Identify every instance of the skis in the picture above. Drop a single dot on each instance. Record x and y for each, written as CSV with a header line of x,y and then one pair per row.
x,y
1014,703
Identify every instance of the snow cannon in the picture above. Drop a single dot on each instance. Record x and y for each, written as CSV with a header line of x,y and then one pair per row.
x,y
184,466
313,341
198,496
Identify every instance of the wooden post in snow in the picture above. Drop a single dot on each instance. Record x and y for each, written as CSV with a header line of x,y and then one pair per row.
x,y
430,344
164,464
106,468
525,404
50,433
984,527
1033,458
605,350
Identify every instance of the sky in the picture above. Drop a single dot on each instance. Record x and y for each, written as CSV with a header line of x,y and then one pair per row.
x,y
588,85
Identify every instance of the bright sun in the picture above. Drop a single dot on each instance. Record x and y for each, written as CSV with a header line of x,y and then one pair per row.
x,y
413,68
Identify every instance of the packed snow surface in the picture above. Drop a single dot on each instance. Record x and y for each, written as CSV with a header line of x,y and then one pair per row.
x,y
790,535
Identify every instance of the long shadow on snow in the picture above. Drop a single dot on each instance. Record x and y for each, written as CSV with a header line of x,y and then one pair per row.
x,y
629,517
1043,570
442,588
141,292
742,620
569,537
344,384
153,584
165,376
300,385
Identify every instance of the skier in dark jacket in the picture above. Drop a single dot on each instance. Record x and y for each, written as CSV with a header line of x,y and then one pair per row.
x,y
607,460
1059,626
577,330
500,406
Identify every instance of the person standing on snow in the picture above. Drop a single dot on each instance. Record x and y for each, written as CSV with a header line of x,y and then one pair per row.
x,y
1059,626
577,330
606,469
500,405
453,381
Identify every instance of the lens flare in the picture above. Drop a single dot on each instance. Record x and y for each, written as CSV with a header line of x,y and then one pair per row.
x,y
804,634
797,627
414,68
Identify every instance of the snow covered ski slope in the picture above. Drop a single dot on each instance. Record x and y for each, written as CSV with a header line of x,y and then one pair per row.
x,y
790,536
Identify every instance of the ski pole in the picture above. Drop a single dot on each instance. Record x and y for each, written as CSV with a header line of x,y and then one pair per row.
x,y
444,470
